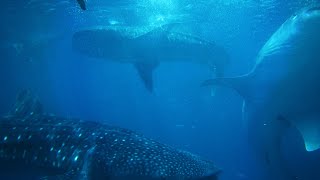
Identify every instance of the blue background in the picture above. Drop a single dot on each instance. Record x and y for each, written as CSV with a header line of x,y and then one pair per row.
x,y
179,112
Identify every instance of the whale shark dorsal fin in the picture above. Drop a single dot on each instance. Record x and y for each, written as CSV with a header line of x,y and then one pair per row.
x,y
145,71
82,4
241,84
310,131
26,104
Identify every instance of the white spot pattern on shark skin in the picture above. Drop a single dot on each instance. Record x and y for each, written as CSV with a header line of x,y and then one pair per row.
x,y
140,50
114,151
76,158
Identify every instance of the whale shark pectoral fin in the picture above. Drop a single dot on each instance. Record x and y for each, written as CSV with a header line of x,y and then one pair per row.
x,y
310,132
145,71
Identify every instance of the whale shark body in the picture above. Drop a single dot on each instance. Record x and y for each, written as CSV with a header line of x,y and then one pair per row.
x,y
147,47
283,88
64,148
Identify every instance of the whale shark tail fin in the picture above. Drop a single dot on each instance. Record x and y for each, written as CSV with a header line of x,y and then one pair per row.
x,y
26,104
145,71
240,84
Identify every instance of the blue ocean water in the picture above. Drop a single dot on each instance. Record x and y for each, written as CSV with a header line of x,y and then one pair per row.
x,y
36,53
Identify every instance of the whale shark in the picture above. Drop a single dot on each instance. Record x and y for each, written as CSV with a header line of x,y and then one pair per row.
x,y
282,89
146,47
65,148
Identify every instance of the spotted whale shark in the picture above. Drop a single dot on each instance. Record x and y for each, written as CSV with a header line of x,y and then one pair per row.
x,y
64,148
282,90
146,47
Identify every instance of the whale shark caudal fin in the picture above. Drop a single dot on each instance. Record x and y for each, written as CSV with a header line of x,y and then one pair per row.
x,y
82,4
240,84
26,104
145,71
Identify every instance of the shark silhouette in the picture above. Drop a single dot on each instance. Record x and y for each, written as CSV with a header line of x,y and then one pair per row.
x,y
146,47
82,4
282,90
64,148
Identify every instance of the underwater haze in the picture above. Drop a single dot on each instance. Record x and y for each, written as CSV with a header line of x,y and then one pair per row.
x,y
38,53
